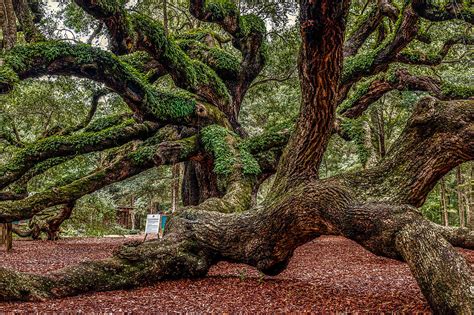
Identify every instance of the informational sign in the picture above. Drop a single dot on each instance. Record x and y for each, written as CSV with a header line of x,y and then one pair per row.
x,y
155,224
152,224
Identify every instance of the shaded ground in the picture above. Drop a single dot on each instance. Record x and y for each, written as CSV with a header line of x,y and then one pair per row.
x,y
328,274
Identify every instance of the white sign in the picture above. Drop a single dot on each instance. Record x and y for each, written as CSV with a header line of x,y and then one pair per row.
x,y
152,224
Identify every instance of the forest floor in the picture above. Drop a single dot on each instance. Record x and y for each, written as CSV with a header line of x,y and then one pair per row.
x,y
330,274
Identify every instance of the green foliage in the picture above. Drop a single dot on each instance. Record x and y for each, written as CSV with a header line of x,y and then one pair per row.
x,y
250,165
456,90
221,8
251,24
356,131
108,122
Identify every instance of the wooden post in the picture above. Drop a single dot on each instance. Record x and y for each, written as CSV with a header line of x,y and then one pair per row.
x,y
9,236
2,233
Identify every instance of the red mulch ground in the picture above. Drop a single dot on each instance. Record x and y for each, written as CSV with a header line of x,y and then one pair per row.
x,y
331,274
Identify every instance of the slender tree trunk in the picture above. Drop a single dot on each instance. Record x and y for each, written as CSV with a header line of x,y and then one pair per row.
x,y
459,194
165,17
176,175
8,24
444,208
470,203
377,118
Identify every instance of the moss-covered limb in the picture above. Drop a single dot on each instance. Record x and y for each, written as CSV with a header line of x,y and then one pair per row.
x,y
189,74
93,63
378,59
133,265
432,59
137,32
111,13
57,146
435,11
49,221
231,156
147,65
438,137
141,158
26,21
367,24
248,33
226,65
20,185
268,140
204,36
372,90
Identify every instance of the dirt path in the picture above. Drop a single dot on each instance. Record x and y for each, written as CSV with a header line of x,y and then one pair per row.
x,y
328,274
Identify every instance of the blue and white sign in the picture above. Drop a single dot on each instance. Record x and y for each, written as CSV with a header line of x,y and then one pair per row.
x,y
152,224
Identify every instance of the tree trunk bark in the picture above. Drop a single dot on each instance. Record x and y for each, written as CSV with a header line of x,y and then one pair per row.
x,y
199,182
9,24
443,275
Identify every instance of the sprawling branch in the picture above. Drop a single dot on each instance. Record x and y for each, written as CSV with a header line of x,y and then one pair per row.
x,y
434,11
438,137
58,146
19,187
421,58
401,80
82,60
136,32
368,25
247,33
142,158
378,59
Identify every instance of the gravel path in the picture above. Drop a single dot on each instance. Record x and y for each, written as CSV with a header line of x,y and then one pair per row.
x,y
330,274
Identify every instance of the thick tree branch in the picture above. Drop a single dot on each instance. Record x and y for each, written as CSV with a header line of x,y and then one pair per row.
x,y
378,59
142,158
27,21
70,145
421,58
434,11
401,80
438,137
370,22
131,32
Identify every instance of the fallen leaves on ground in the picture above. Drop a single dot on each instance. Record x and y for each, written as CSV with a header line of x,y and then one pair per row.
x,y
330,274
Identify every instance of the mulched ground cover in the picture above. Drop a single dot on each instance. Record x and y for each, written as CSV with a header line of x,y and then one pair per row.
x,y
330,274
